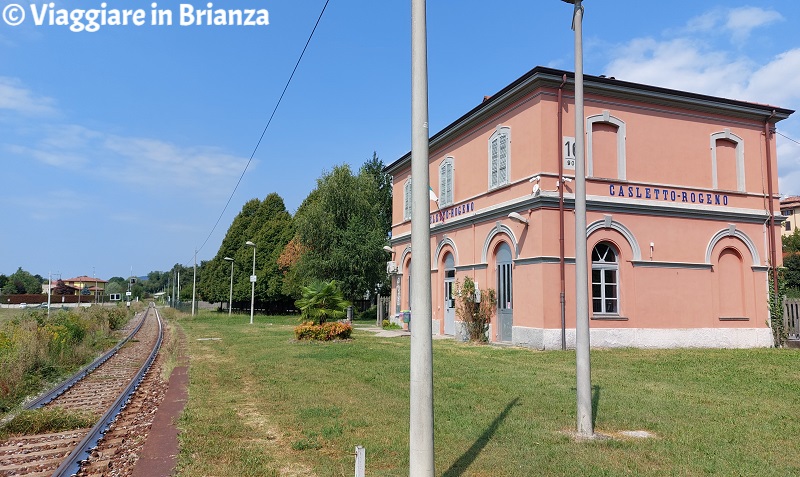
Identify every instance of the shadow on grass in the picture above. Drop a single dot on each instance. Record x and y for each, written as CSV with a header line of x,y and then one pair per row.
x,y
595,404
462,463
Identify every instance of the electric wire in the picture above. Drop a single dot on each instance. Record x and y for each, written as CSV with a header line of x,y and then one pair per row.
x,y
264,132
787,137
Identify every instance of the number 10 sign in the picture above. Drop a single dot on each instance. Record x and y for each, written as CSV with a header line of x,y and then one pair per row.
x,y
569,152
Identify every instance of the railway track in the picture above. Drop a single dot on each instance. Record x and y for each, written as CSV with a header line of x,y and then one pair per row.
x,y
104,389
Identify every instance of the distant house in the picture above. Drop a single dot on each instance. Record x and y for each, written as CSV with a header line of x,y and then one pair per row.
x,y
790,206
96,286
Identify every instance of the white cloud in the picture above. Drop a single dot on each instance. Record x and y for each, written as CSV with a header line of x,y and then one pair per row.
x,y
681,63
739,23
16,97
690,61
742,21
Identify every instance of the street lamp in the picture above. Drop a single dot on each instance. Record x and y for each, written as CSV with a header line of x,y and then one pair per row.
x,y
582,358
252,281
230,295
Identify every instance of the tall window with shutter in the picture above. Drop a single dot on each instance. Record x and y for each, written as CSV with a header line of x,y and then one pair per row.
x,y
499,157
407,200
446,182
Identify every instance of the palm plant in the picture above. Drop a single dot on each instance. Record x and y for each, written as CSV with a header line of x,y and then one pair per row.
x,y
322,301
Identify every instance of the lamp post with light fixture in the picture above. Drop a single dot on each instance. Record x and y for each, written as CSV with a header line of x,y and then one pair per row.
x,y
582,359
252,281
230,293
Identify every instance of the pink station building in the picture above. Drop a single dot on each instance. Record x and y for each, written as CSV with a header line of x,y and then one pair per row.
x,y
680,189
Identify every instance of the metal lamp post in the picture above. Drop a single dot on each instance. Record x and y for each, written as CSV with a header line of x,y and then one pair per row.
x,y
583,362
421,449
252,281
230,294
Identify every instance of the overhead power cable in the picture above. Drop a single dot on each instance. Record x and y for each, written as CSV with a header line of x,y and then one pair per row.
x,y
787,137
261,138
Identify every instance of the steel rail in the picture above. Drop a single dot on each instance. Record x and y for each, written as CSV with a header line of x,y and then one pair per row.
x,y
60,389
71,465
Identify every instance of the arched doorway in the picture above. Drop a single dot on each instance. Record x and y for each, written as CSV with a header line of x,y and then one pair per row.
x,y
449,299
505,315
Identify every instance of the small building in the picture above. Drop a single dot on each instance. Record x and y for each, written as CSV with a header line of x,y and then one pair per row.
x,y
790,207
678,214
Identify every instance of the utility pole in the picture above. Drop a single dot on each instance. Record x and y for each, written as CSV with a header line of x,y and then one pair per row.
x,y
194,280
421,461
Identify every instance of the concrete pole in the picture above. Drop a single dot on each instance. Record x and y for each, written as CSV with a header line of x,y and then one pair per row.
x,y
583,362
252,281
194,281
421,462
230,292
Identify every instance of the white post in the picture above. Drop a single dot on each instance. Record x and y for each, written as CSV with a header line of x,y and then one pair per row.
x,y
194,281
252,281
361,462
585,427
421,462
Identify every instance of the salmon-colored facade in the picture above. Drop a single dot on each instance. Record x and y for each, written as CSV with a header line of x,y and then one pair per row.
x,y
678,210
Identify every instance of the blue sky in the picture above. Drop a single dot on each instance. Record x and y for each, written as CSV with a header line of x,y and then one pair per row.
x,y
120,148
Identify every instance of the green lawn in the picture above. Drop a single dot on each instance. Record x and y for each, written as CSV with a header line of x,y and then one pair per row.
x,y
262,404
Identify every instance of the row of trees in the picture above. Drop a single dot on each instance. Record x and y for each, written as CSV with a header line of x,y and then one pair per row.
x,y
21,282
337,233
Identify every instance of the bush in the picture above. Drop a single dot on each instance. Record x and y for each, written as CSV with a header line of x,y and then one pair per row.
x,y
370,314
35,349
324,332
388,325
475,315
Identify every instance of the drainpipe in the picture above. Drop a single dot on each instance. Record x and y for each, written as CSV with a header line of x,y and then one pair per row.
x,y
771,206
561,216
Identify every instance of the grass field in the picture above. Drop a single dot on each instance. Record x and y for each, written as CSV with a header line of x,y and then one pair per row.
x,y
262,404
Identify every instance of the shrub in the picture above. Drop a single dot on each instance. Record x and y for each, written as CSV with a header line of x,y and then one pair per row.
x,y
388,325
324,332
475,315
370,314
322,301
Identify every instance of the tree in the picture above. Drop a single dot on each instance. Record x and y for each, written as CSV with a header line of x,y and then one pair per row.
x,y
61,288
791,243
21,282
269,225
322,301
342,227
792,273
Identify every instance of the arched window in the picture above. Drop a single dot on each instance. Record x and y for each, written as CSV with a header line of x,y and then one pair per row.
x,y
605,146
727,161
407,200
605,280
446,182
499,157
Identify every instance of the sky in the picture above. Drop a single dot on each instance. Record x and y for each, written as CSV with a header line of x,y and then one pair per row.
x,y
120,148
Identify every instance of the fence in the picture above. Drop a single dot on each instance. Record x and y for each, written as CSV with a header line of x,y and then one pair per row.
x,y
791,317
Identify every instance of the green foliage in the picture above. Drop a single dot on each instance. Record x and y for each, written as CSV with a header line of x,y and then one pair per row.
x,y
269,225
342,226
791,243
22,282
476,316
34,349
370,314
388,325
322,301
779,335
323,332
46,421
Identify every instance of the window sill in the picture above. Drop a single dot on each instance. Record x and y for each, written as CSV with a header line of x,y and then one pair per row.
x,y
734,318
605,317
